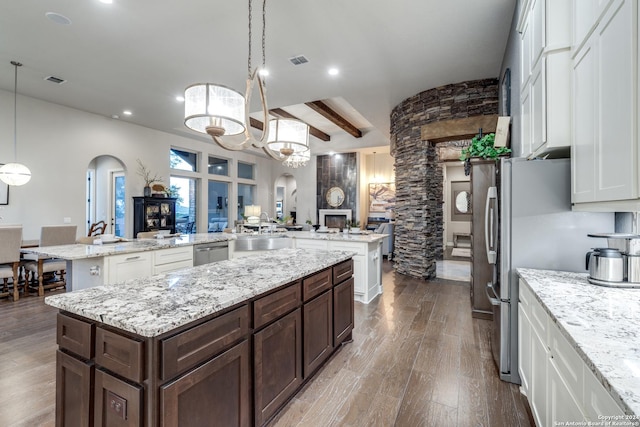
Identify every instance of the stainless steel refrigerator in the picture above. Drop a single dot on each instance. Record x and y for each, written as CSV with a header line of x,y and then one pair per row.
x,y
529,223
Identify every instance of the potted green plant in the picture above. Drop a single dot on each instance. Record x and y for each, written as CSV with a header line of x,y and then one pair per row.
x,y
482,146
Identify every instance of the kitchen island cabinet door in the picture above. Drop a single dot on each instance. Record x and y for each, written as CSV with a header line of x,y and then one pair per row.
x,y
342,311
277,365
318,332
74,391
217,392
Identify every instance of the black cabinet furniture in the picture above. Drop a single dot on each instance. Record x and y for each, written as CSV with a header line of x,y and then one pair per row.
x,y
154,214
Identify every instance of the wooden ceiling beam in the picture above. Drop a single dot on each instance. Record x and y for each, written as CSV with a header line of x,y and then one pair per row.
x,y
313,131
325,111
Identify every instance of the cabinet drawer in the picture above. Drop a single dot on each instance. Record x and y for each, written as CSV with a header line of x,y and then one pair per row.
x,y
597,400
166,256
187,349
312,244
539,318
120,354
342,271
276,305
165,268
75,335
117,403
316,284
525,296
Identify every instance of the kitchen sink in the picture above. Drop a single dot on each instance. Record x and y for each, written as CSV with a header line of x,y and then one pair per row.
x,y
262,242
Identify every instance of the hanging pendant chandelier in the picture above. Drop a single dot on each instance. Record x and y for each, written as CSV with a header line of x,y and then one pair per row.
x,y
15,173
298,159
223,113
288,136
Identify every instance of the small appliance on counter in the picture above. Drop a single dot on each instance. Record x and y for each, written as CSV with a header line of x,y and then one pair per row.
x,y
619,264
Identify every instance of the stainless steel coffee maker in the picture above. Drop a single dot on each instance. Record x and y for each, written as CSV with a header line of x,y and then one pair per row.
x,y
619,264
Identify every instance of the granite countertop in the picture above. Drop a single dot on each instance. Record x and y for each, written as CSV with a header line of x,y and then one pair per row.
x,y
350,237
602,324
81,251
157,304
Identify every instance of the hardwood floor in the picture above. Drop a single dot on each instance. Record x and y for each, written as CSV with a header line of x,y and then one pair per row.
x,y
417,359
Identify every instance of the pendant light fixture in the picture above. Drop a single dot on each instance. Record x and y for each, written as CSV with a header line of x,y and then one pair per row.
x,y
375,178
223,113
288,136
15,173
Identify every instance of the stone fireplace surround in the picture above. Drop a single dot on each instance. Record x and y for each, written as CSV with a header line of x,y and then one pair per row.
x,y
419,195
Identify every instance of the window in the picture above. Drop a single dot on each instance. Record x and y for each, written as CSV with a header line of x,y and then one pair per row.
x,y
246,196
246,170
218,166
218,209
183,160
186,188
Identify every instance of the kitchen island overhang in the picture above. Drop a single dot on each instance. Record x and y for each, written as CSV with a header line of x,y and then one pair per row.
x,y
263,324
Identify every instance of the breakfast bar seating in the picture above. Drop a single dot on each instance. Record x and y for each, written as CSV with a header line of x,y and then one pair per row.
x,y
52,235
10,241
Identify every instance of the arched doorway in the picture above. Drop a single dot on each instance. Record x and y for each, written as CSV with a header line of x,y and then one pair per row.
x,y
106,198
286,198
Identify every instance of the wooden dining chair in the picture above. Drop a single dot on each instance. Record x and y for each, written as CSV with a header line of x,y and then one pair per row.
x,y
51,235
10,241
97,228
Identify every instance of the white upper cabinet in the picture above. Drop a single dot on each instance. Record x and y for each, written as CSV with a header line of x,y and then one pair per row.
x,y
605,113
545,28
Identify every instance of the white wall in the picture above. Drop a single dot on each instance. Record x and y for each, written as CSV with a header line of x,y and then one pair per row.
x,y
58,143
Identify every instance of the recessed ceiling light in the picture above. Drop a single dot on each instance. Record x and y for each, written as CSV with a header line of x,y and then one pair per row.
x,y
106,1
333,71
115,116
127,113
264,72
180,98
58,18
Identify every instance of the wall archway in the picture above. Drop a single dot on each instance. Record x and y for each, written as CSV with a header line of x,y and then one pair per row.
x,y
419,186
106,197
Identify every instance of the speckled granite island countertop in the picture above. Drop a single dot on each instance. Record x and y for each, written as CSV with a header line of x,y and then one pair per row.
x,y
81,251
602,324
157,304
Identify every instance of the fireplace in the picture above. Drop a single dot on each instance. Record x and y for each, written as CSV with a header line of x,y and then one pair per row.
x,y
334,218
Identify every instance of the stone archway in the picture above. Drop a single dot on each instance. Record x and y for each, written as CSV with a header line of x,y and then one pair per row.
x,y
446,113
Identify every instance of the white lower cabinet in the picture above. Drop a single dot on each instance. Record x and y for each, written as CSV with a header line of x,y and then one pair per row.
x,y
119,268
558,383
367,268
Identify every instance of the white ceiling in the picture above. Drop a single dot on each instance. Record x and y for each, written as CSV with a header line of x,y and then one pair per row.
x,y
140,54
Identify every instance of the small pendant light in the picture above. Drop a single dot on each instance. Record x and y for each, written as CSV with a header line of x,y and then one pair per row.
x,y
15,173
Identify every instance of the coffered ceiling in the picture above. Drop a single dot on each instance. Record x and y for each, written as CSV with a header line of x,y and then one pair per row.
x,y
138,55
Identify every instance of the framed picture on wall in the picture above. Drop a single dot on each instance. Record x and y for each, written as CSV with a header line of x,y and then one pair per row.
x,y
382,196
4,192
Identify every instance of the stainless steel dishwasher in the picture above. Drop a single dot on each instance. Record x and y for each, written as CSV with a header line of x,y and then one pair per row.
x,y
205,253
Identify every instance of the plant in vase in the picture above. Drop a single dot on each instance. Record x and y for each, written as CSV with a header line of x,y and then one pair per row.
x,y
147,177
481,146
355,226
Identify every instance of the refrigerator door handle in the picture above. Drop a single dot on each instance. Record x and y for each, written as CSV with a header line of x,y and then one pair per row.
x,y
493,298
489,227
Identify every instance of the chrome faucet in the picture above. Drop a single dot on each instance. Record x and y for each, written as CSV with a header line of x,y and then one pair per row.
x,y
260,221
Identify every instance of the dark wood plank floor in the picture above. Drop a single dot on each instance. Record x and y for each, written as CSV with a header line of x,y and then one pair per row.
x,y
418,359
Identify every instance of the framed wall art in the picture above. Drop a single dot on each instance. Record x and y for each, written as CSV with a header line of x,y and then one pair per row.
x,y
382,196
460,201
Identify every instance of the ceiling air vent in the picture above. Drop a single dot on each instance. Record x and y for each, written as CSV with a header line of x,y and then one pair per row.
x,y
298,60
56,80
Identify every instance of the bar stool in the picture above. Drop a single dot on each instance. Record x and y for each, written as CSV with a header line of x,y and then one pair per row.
x,y
10,241
51,235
